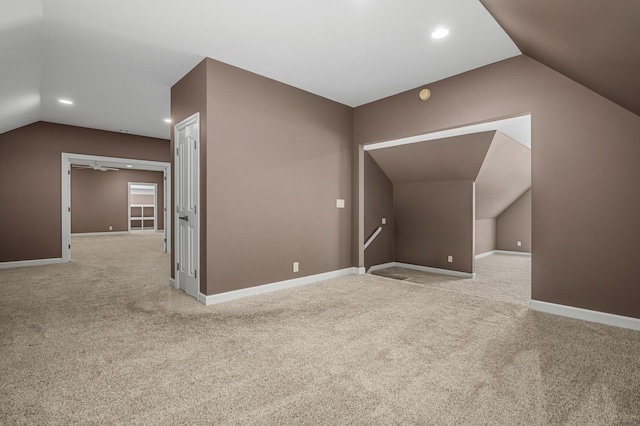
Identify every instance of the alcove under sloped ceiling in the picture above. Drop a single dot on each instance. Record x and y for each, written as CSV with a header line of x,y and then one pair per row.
x,y
433,216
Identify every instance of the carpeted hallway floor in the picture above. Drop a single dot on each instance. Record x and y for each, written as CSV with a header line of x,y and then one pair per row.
x,y
105,340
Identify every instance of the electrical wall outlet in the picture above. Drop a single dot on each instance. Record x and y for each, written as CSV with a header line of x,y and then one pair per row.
x,y
450,259
296,267
110,228
384,220
519,243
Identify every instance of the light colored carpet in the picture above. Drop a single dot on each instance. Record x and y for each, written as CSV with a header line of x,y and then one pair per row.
x,y
498,277
105,340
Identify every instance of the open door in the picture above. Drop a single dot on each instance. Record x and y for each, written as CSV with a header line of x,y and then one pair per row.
x,y
187,138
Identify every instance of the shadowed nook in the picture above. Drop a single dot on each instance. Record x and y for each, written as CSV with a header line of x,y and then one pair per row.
x,y
447,202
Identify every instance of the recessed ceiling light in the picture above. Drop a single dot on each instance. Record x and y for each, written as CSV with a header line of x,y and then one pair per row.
x,y
440,33
129,166
167,120
65,101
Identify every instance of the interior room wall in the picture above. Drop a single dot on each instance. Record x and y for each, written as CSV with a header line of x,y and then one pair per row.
x,y
30,181
378,199
101,199
514,224
584,172
485,235
435,220
276,159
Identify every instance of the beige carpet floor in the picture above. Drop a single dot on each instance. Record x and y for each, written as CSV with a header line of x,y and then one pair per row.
x,y
105,340
498,277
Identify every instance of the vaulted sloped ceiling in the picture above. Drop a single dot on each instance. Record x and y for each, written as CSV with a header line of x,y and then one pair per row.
x,y
504,176
454,158
594,42
500,166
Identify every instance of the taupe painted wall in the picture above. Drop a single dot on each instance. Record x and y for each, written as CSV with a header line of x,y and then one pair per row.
x,y
378,201
277,160
435,220
584,172
30,182
485,235
189,96
514,224
274,161
101,199
505,174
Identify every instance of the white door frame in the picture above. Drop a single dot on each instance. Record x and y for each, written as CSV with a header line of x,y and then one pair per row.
x,y
195,118
70,158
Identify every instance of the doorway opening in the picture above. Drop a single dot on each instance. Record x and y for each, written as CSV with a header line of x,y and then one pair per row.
x,y
101,165
443,202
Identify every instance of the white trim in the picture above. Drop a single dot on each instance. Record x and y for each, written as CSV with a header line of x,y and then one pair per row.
x,y
361,271
506,252
195,118
154,205
373,237
99,234
34,262
172,283
422,269
268,288
585,314
485,254
513,253
381,266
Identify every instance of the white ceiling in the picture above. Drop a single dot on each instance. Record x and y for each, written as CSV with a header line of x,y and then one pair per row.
x,y
118,59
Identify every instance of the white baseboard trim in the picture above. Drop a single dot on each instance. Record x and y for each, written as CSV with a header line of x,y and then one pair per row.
x,y
268,288
513,253
35,262
585,314
422,269
172,283
381,266
485,254
362,271
99,234
507,252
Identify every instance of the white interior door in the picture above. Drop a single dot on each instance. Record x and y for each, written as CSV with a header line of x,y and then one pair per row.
x,y
187,199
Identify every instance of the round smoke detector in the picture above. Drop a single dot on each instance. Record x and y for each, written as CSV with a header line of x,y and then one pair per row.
x,y
425,94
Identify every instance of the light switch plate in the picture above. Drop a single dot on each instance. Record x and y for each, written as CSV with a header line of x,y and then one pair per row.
x,y
340,203
519,243
384,220
449,259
